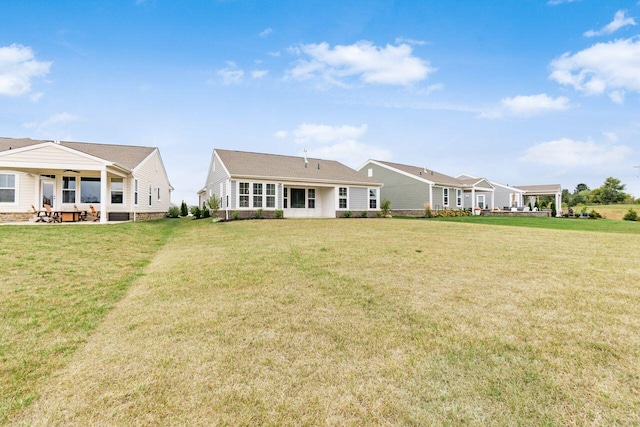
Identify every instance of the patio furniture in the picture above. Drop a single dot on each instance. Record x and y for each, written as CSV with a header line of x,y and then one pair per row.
x,y
82,215
54,216
41,216
94,213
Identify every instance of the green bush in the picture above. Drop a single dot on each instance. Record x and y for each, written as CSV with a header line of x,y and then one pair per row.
x,y
385,207
174,212
631,215
279,214
184,210
235,215
205,213
196,212
257,214
363,214
347,214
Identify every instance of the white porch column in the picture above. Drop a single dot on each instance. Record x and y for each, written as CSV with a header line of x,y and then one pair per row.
x,y
558,204
431,196
104,215
473,199
492,200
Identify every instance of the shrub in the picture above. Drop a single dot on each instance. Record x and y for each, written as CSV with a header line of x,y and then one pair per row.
x,y
279,214
174,212
184,210
347,214
427,211
257,214
235,215
631,215
385,207
205,213
196,212
553,210
594,215
214,204
363,214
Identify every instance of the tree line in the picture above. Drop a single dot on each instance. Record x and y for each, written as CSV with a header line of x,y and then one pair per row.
x,y
609,193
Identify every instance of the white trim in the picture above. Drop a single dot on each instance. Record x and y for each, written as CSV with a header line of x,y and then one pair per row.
x,y
445,199
16,188
459,197
251,195
338,197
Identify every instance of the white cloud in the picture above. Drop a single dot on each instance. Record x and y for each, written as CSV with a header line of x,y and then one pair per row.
x,y
17,67
231,76
265,33
258,74
567,152
339,143
431,88
619,20
413,42
556,2
391,65
57,119
310,133
527,106
611,68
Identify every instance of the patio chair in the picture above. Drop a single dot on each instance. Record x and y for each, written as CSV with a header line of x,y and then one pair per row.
x,y
40,216
54,216
82,214
94,213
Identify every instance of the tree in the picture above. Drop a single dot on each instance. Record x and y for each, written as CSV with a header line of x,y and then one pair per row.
x,y
581,198
184,210
580,187
214,205
611,191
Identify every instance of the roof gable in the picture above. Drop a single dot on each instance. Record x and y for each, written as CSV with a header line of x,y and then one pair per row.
x,y
424,174
274,166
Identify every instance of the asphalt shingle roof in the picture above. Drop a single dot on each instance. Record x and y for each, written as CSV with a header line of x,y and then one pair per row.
x,y
128,156
274,166
429,175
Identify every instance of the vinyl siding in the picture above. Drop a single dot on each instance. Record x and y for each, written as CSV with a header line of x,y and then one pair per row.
x,y
53,158
358,199
404,192
150,172
25,195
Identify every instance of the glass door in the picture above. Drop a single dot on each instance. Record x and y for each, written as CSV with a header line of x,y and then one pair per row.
x,y
48,191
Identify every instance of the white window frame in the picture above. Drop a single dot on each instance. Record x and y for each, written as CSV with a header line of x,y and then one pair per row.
x,y
263,197
135,192
150,195
270,197
14,188
445,197
73,190
345,198
311,199
458,197
373,199
111,191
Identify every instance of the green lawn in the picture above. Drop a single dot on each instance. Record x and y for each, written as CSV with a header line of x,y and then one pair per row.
x,y
575,224
338,322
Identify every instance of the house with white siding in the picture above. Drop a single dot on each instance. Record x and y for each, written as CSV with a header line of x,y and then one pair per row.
x,y
300,187
123,182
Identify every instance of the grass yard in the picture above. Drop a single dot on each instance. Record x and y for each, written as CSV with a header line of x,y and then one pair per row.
x,y
332,322
57,283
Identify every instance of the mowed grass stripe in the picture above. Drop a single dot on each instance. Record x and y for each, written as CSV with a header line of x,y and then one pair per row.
x,y
57,284
365,322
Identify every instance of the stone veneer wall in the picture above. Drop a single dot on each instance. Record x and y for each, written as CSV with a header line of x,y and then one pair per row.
x,y
416,213
15,216
146,216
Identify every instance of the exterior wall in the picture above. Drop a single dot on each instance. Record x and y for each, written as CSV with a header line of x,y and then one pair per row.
x,y
358,198
15,216
25,192
404,192
51,157
217,175
150,172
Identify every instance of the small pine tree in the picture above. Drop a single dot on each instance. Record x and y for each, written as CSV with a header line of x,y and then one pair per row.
x,y
184,210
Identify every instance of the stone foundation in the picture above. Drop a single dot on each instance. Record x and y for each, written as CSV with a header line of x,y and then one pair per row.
x,y
146,216
415,213
358,214
16,216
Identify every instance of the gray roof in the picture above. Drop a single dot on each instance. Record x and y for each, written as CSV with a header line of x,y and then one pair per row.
x,y
430,175
541,189
127,156
274,166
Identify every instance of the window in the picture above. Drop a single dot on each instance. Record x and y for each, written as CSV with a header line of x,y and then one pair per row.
x,y
90,190
342,198
257,195
244,194
285,197
158,193
459,197
117,190
7,188
311,196
370,172
150,194
135,192
271,195
445,196
297,198
68,189
373,198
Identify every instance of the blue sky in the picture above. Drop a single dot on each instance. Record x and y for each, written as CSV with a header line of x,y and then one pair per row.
x,y
521,92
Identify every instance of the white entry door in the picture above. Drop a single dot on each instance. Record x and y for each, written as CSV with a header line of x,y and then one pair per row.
x,y
48,193
480,199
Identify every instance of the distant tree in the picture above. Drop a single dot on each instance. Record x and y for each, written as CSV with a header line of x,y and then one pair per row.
x,y
581,198
580,187
566,197
611,191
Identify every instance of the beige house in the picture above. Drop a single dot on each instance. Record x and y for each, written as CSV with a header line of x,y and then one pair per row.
x,y
123,182
300,187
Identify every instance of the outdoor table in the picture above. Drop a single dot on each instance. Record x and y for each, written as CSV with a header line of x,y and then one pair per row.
x,y
69,216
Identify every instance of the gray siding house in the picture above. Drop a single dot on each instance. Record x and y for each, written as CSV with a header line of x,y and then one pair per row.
x,y
504,196
301,187
411,188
